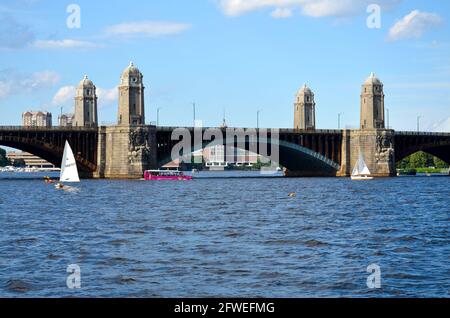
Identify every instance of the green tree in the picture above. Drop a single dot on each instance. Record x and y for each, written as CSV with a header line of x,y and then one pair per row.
x,y
438,163
19,163
3,160
404,164
417,160
420,160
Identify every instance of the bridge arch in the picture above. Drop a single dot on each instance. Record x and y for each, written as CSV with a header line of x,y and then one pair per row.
x,y
48,144
440,149
291,156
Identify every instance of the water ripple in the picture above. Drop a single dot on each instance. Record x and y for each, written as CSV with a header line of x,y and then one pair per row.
x,y
227,238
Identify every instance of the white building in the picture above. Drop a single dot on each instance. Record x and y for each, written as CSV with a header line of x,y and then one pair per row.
x,y
214,157
37,119
31,161
217,156
66,120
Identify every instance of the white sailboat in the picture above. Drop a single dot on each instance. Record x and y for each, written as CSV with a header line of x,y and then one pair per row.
x,y
361,171
69,170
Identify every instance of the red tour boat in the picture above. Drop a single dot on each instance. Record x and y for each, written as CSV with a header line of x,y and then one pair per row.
x,y
159,175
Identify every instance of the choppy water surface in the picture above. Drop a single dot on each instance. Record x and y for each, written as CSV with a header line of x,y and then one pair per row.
x,y
226,237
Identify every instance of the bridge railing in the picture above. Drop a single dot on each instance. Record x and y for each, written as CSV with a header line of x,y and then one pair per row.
x,y
55,128
422,133
281,130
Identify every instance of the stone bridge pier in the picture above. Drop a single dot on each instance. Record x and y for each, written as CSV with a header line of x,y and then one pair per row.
x,y
124,152
373,142
376,147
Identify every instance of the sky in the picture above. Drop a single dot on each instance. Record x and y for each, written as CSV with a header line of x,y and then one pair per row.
x,y
232,57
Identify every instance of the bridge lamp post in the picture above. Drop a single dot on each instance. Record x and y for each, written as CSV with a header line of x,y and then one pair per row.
x,y
194,111
257,119
157,116
339,120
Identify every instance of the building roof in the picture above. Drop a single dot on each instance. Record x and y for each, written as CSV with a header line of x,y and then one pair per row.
x,y
86,82
372,79
36,113
66,116
305,90
131,70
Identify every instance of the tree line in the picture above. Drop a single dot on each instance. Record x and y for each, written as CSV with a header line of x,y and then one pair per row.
x,y
4,161
421,160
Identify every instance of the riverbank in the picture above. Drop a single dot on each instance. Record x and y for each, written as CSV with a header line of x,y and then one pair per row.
x,y
10,169
416,171
432,170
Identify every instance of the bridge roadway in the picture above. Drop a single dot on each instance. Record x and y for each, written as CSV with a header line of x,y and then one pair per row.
x,y
317,150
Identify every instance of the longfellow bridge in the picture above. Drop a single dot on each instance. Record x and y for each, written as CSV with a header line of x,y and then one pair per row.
x,y
130,147
126,151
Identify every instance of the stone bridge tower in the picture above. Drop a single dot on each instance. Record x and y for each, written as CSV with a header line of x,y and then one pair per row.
x,y
86,104
129,148
305,109
372,141
131,97
372,104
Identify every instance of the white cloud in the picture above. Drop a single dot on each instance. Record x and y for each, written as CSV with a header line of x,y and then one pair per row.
x,y
12,82
414,25
239,7
282,13
64,44
64,96
38,80
133,29
333,8
442,126
146,28
107,96
312,8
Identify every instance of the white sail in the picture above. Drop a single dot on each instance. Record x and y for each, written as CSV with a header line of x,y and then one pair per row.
x,y
361,168
365,171
69,171
355,170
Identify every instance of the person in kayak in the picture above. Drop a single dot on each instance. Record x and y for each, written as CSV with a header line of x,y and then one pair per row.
x,y
48,180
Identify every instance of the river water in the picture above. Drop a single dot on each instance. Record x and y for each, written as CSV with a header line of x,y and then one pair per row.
x,y
226,237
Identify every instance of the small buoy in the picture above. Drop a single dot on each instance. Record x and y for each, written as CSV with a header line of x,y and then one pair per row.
x,y
292,194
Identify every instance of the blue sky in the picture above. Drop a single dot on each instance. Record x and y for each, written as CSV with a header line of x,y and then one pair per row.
x,y
237,55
